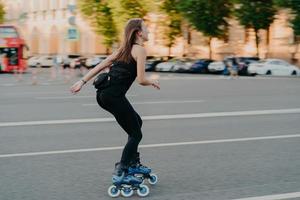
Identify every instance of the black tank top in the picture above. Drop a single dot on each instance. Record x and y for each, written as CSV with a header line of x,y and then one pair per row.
x,y
121,77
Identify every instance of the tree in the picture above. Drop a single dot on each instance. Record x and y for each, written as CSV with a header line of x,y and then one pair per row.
x,y
2,13
172,23
100,15
123,10
208,16
294,5
255,14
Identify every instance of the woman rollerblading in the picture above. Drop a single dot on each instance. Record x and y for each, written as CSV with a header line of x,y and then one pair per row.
x,y
125,65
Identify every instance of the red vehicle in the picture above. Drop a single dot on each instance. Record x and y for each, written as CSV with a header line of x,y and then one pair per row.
x,y
12,49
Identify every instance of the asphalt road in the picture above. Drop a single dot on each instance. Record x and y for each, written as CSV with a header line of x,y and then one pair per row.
x,y
206,137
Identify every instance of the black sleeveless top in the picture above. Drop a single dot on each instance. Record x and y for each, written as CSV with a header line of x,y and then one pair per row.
x,y
121,77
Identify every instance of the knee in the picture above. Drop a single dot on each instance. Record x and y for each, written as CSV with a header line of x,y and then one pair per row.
x,y
138,137
139,120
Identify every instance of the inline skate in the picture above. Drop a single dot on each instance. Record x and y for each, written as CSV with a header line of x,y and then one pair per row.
x,y
139,170
125,184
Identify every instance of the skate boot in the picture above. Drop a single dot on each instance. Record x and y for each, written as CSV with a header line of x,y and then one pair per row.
x,y
126,184
136,168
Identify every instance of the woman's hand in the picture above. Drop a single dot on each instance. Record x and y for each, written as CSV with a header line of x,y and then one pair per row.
x,y
77,86
155,84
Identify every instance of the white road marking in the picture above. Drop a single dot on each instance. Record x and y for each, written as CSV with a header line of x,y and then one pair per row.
x,y
72,97
157,117
66,97
151,145
274,197
155,102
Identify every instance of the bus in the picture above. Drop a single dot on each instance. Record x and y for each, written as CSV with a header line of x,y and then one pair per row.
x,y
12,50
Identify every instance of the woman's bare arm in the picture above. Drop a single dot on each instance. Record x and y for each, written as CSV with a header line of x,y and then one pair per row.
x,y
98,68
76,87
140,55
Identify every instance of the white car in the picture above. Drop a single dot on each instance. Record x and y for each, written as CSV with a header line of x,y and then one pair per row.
x,y
172,65
32,61
43,61
218,66
273,67
94,60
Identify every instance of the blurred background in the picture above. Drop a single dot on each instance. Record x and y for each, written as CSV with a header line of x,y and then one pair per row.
x,y
194,32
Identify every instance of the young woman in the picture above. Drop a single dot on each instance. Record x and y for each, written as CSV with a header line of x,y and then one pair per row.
x,y
125,65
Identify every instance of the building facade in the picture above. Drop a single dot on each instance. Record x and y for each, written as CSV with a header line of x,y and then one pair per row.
x,y
56,27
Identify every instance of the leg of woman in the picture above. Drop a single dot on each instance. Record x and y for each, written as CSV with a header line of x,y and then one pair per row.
x,y
131,123
128,119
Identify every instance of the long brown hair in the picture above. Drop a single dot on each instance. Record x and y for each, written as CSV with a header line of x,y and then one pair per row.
x,y
124,52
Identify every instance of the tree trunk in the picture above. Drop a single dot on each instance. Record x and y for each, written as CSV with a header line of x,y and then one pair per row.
x,y
246,35
107,50
257,42
297,43
169,53
210,48
268,41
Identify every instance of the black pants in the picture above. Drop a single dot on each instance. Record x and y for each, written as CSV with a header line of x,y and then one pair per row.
x,y
127,118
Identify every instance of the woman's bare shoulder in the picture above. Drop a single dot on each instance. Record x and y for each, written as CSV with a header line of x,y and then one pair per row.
x,y
138,50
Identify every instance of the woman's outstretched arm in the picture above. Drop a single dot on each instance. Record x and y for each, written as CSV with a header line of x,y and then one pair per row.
x,y
98,68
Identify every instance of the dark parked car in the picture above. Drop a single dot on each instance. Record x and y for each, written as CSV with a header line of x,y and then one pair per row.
x,y
200,66
151,62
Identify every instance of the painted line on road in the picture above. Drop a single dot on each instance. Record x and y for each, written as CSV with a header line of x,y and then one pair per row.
x,y
72,97
155,102
151,145
274,197
157,117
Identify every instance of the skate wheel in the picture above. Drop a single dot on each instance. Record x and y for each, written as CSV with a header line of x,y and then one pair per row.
x,y
113,191
153,179
127,192
143,190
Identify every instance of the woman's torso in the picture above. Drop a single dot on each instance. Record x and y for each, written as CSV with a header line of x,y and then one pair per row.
x,y
121,77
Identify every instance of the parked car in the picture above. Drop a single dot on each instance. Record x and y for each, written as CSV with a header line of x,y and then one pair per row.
x,y
92,61
42,61
67,59
243,63
174,65
183,66
32,62
273,67
200,66
151,63
167,66
216,67
78,62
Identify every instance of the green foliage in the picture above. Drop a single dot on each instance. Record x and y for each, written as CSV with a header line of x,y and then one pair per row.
x,y
207,16
2,13
100,15
172,23
294,5
256,14
123,10
296,25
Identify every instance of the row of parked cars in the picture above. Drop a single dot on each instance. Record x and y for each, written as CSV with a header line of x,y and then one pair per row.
x,y
243,65
72,60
